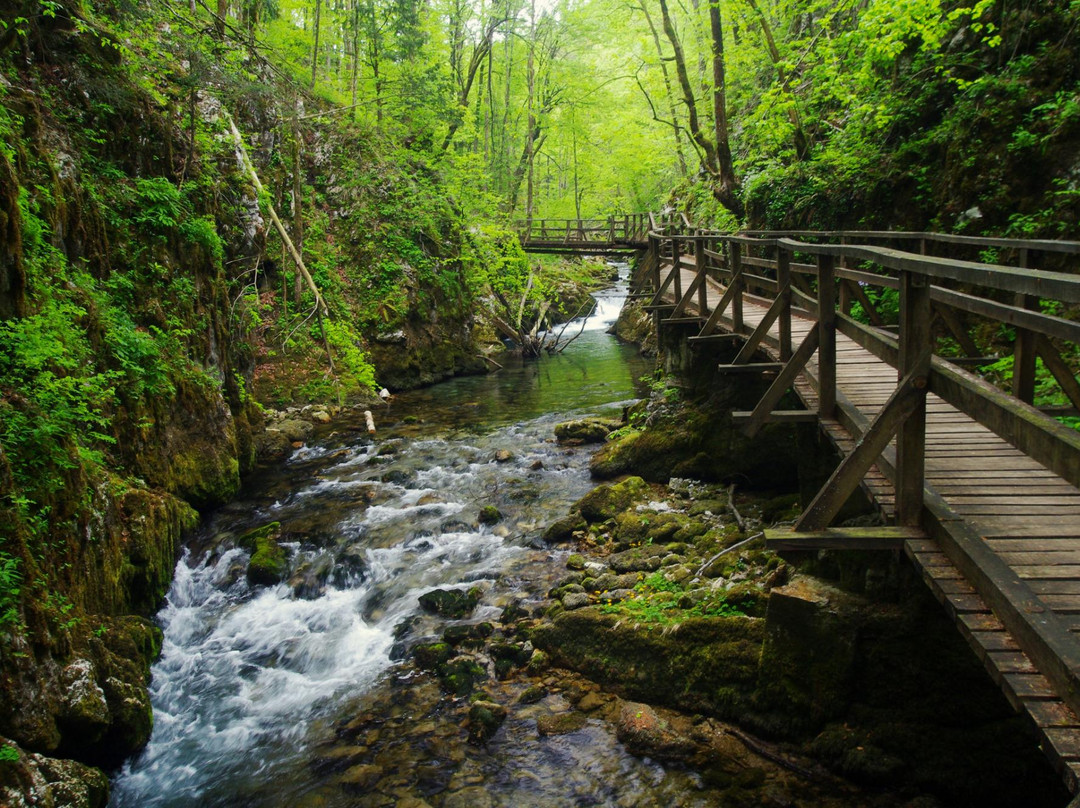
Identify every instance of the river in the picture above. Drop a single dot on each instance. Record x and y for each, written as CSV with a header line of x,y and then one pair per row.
x,y
302,694
252,679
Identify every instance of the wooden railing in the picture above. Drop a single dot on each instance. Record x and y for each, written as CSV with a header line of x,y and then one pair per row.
x,y
935,295
626,230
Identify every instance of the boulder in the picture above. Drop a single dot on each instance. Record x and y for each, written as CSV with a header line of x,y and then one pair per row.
x,y
452,603
563,529
585,430
489,515
485,718
646,734
606,501
268,560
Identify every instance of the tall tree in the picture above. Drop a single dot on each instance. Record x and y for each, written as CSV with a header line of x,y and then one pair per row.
x,y
714,152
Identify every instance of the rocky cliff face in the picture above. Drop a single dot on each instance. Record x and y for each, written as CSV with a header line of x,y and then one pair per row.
x,y
122,404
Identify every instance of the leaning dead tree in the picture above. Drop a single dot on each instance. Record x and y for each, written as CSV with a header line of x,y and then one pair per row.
x,y
528,323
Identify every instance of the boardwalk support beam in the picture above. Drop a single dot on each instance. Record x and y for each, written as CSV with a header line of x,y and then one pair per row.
x,y
759,417
904,401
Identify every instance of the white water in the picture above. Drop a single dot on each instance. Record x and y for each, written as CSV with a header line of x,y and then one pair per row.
x,y
248,673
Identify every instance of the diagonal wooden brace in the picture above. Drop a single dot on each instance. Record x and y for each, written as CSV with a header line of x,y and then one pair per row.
x,y
904,401
1061,371
760,332
781,383
699,279
658,297
864,301
721,307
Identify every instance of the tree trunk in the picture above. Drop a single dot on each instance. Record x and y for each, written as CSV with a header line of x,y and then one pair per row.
x,y
798,135
219,19
679,152
315,47
298,207
728,187
708,149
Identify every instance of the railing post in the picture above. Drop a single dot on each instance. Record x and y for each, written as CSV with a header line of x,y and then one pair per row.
x,y
827,334
676,266
844,288
1023,386
654,250
740,287
702,265
916,343
783,281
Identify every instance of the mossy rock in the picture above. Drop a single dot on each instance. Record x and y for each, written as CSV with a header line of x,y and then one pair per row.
x,y
606,501
432,656
485,718
561,723
702,445
268,563
634,526
563,529
706,665
451,603
489,515
586,430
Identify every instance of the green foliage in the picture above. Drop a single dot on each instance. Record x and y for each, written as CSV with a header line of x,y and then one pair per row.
x,y
158,205
492,256
54,402
10,584
355,369
1047,391
8,754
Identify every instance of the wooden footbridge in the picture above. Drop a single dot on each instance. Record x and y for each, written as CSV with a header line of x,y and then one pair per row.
x,y
977,486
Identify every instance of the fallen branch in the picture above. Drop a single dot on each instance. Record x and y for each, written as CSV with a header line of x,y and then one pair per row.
x,y
735,546
489,359
734,512
241,151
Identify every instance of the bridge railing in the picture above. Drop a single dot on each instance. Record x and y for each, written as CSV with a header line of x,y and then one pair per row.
x,y
936,294
628,229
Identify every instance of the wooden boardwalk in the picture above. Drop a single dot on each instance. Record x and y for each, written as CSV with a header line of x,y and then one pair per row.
x,y
1012,523
977,487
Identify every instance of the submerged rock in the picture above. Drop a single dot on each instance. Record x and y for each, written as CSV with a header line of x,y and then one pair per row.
x,y
561,723
268,560
485,718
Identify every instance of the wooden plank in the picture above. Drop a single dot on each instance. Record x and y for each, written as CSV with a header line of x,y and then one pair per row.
x,y
1045,440
1032,321
995,641
1054,586
1048,285
1052,714
1030,686
760,330
962,603
846,538
1038,631
777,416
827,338
750,367
986,621
1047,571
1011,662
